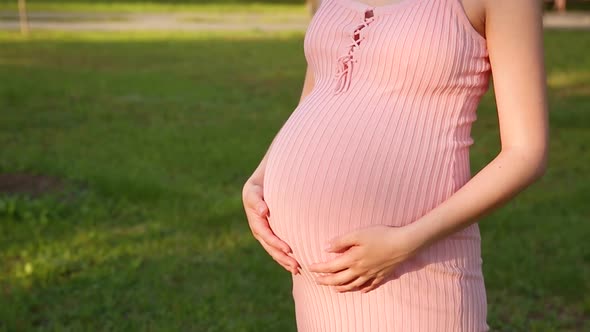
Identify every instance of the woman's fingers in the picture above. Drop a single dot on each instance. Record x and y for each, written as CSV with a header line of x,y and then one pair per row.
x,y
263,229
374,283
352,285
254,197
257,219
280,257
256,212
339,278
367,283
337,264
284,257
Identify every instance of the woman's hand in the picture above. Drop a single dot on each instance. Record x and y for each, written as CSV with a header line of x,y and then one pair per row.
x,y
370,255
256,211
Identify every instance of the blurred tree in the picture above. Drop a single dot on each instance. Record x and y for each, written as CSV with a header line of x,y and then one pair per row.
x,y
22,14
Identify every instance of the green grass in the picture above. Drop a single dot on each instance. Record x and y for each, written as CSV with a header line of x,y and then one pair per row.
x,y
158,6
157,133
69,19
214,6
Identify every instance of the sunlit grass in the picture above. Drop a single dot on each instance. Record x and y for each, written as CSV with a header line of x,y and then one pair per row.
x,y
157,7
157,133
70,19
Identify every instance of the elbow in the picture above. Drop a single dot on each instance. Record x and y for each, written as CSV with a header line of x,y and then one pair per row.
x,y
541,169
537,161
540,157
533,159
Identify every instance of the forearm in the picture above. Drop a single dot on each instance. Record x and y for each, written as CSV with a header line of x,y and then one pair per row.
x,y
499,181
258,174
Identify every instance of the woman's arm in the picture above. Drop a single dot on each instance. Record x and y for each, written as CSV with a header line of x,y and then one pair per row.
x,y
514,34
308,83
256,208
515,41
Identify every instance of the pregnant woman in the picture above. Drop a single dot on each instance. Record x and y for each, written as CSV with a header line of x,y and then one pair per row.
x,y
366,194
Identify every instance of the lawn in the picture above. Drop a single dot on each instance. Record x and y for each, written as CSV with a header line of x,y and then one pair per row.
x,y
213,6
159,6
151,137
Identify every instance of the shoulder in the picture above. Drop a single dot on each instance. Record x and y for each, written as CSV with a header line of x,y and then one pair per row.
x,y
520,19
480,11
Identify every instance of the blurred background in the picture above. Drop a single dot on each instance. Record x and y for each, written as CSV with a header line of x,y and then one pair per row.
x,y
128,128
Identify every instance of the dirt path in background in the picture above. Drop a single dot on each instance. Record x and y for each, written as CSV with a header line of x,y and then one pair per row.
x,y
189,21
194,21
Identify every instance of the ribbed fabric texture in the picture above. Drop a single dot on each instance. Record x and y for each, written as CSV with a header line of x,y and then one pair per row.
x,y
383,138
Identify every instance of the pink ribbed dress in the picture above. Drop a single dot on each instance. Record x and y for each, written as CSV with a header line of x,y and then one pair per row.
x,y
382,138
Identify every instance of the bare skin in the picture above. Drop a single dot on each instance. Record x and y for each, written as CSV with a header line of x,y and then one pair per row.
x,y
514,37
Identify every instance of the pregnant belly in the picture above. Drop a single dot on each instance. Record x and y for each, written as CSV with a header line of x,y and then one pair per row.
x,y
324,179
